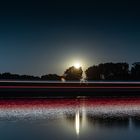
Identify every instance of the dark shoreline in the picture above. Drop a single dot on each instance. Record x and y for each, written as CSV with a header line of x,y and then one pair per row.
x,y
35,89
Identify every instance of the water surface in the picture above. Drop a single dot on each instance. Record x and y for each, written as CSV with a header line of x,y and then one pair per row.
x,y
61,119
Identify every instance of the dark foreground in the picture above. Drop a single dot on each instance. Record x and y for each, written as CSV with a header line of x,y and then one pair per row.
x,y
68,89
70,119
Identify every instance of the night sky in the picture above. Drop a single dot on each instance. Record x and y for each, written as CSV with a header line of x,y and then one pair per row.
x,y
39,38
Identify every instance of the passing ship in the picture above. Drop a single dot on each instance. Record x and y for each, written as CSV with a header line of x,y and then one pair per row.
x,y
69,89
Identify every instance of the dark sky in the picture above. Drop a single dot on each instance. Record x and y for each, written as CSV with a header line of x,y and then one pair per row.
x,y
47,37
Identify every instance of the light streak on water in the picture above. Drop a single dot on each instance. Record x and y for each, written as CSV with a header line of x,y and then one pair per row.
x,y
77,122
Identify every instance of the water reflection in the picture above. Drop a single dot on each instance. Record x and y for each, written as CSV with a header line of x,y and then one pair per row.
x,y
77,122
69,118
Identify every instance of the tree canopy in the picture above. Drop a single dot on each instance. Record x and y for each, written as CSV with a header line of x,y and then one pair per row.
x,y
51,77
73,74
108,71
103,71
135,71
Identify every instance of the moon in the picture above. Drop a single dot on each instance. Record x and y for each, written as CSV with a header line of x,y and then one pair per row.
x,y
77,65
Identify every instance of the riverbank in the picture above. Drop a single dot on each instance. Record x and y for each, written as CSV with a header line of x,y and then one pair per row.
x,y
42,89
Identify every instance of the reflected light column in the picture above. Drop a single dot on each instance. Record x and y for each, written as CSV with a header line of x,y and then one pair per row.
x,y
77,122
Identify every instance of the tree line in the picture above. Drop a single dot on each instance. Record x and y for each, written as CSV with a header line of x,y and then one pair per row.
x,y
103,71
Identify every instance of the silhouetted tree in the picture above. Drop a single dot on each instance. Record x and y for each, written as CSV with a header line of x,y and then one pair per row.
x,y
9,76
135,71
29,77
115,71
52,77
73,74
108,71
92,73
